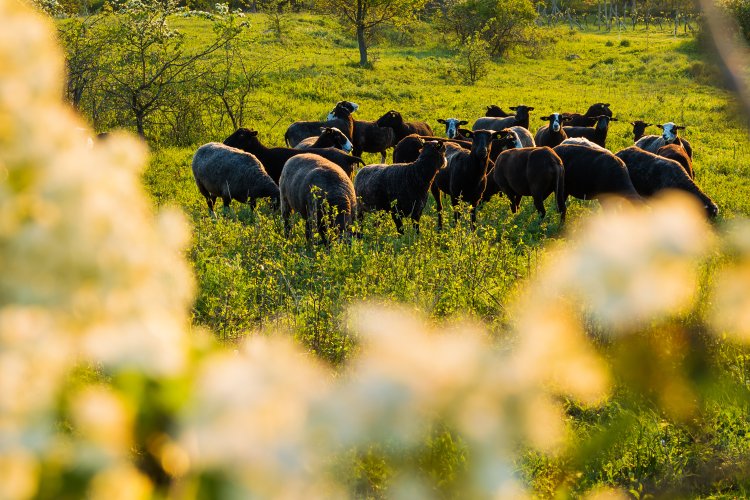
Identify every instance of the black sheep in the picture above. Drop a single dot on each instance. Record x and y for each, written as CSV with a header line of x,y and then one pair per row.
x,y
535,172
677,153
401,129
639,129
320,192
496,112
651,173
592,172
400,188
489,123
330,137
273,159
409,148
588,119
340,117
465,177
228,173
596,134
370,138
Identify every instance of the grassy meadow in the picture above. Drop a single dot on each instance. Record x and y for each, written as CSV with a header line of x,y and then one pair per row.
x,y
251,278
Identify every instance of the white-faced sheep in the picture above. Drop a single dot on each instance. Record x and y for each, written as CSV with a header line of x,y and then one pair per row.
x,y
651,173
451,126
320,192
231,174
652,143
330,137
553,134
400,188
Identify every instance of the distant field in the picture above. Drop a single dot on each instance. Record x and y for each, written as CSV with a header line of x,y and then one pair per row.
x,y
251,277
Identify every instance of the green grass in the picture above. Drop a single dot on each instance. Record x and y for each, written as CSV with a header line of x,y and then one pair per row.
x,y
250,277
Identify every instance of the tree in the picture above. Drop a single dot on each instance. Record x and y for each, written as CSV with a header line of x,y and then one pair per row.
x,y
84,40
148,60
501,23
364,15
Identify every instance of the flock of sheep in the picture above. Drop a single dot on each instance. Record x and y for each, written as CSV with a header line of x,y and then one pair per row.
x,y
567,157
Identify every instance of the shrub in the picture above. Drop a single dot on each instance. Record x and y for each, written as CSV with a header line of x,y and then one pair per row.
x,y
474,59
740,11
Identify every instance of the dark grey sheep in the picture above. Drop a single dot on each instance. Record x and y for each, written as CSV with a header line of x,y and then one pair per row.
x,y
496,111
340,117
330,137
409,148
320,192
231,174
400,188
652,143
651,173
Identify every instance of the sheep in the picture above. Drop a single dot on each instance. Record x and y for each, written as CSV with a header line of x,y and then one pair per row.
x,y
553,134
591,173
508,140
465,176
596,134
451,126
340,117
273,159
394,120
582,141
351,106
409,148
402,187
589,118
535,172
496,112
228,173
370,138
652,143
639,128
330,137
651,173
318,190
678,154
489,123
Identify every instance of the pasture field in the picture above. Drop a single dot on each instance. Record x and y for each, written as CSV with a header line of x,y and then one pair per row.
x,y
251,278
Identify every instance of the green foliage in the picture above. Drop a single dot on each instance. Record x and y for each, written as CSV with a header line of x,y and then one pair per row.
x,y
502,24
474,58
740,11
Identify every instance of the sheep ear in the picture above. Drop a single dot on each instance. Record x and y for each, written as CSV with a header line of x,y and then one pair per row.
x,y
649,125
679,127
513,108
440,120
323,129
463,122
466,133
253,133
544,117
530,109
614,120
660,126
632,123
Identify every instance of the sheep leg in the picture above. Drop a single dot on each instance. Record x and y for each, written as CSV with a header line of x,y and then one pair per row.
x,y
438,205
539,204
308,228
474,216
227,208
397,220
210,200
382,156
285,216
252,203
454,203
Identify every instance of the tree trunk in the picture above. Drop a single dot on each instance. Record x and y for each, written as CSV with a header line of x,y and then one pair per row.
x,y
362,45
139,119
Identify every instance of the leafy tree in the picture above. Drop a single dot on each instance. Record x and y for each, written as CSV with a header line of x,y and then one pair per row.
x,y
364,15
84,40
475,57
148,60
501,23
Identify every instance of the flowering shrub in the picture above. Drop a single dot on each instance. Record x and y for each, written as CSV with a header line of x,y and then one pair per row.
x,y
105,389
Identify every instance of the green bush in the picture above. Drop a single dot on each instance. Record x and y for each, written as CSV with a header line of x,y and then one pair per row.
x,y
740,11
